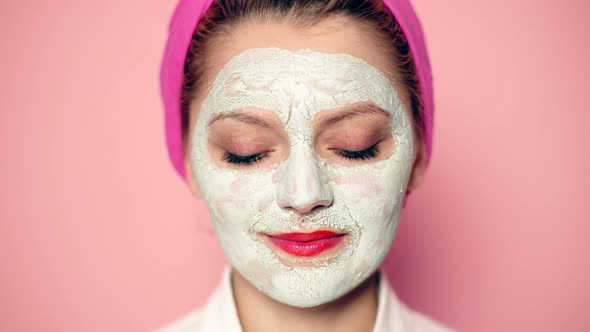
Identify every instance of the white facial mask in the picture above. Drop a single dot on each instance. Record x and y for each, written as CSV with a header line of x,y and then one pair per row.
x,y
366,199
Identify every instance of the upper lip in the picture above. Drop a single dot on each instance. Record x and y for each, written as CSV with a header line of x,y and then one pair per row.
x,y
306,237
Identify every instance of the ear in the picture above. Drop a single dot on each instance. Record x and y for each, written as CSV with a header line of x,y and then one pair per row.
x,y
419,166
190,178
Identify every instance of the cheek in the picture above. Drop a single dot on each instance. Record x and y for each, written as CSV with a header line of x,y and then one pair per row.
x,y
239,185
265,203
388,208
237,194
241,197
365,184
229,198
384,239
226,206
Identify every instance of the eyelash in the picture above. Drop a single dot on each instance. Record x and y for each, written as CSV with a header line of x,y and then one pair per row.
x,y
369,153
244,160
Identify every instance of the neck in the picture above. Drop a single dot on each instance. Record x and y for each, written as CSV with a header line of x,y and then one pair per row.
x,y
354,312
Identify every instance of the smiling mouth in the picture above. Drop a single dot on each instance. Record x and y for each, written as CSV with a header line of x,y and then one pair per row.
x,y
306,244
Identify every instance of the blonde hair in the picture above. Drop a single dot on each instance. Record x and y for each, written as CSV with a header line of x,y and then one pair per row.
x,y
223,15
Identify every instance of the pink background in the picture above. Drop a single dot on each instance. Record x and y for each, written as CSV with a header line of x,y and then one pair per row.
x,y
98,233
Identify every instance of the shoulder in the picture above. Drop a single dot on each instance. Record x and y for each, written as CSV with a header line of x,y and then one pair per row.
x,y
394,315
218,314
418,322
190,322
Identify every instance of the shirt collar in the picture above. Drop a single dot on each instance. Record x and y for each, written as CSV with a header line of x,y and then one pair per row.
x,y
220,313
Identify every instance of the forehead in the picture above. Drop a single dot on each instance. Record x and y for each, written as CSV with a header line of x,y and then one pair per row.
x,y
283,80
333,34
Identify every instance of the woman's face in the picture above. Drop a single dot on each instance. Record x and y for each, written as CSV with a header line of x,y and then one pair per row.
x,y
302,150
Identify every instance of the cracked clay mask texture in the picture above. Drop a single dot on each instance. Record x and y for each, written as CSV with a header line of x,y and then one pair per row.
x,y
365,198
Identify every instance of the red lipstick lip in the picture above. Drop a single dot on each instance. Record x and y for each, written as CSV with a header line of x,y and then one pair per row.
x,y
306,244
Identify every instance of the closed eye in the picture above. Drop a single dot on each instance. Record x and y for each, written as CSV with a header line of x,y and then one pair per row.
x,y
369,153
232,158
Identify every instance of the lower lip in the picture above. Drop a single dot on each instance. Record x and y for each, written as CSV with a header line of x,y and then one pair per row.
x,y
307,248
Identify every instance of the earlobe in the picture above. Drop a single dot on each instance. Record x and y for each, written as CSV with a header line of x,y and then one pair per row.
x,y
190,179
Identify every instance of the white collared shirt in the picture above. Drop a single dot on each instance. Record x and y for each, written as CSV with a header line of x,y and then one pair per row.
x,y
219,313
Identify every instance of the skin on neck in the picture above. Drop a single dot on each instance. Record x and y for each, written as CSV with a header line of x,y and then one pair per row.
x,y
354,312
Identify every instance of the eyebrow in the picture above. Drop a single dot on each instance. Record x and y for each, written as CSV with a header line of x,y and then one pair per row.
x,y
352,110
241,117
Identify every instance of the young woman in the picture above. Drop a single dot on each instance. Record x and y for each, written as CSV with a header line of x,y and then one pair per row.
x,y
303,124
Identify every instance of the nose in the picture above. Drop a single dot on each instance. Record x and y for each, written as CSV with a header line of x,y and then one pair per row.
x,y
303,208
303,187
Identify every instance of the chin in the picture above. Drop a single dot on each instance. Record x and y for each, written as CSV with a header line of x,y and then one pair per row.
x,y
310,286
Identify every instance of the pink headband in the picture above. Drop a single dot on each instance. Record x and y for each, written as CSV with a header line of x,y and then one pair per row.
x,y
184,21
